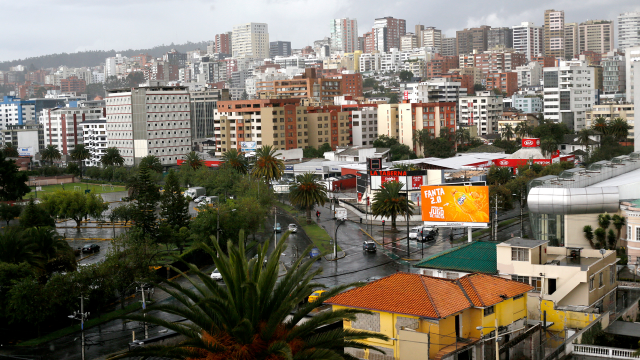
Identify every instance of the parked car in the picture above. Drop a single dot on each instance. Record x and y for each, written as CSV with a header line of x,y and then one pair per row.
x,y
316,294
199,199
215,275
277,228
91,248
371,279
264,261
369,245
293,228
417,232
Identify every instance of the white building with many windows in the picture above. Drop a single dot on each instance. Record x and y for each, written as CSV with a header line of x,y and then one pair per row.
x,y
94,138
62,126
482,110
250,41
529,75
364,125
569,92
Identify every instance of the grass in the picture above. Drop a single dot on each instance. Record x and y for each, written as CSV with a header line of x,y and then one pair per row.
x,y
75,328
318,236
95,189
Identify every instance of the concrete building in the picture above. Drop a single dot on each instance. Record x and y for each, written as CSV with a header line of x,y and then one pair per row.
x,y
73,85
437,90
408,41
430,36
506,82
528,39
364,122
386,33
493,62
474,39
513,119
501,38
529,75
279,48
632,72
569,92
153,120
310,86
449,46
596,36
554,33
223,43
613,74
15,111
29,139
628,30
62,125
432,117
571,41
482,110
344,35
613,111
94,138
204,104
439,65
528,104
250,41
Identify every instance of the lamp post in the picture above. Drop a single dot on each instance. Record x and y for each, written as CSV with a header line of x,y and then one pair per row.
x,y
335,239
383,233
82,317
496,337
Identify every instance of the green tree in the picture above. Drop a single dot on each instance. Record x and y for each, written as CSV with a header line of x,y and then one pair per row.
x,y
604,220
146,195
600,234
369,82
405,75
619,128
313,153
498,175
600,125
193,160
307,192
588,234
549,146
29,303
9,150
256,315
439,147
74,205
151,162
34,215
267,166
40,92
479,87
509,147
135,78
124,212
389,203
9,212
12,181
384,141
584,138
50,154
507,132
16,248
174,206
236,160
73,169
611,239
548,129
112,157
618,222
80,154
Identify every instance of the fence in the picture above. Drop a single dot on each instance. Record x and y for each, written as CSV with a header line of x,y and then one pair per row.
x,y
604,352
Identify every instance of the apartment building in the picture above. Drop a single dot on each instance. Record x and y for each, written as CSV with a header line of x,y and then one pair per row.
x,y
528,104
279,48
386,33
439,65
364,121
153,120
545,61
310,86
62,127
493,62
344,35
476,75
596,36
449,46
569,92
223,43
528,39
438,90
515,118
506,82
529,75
612,111
250,41
436,118
628,30
474,39
482,110
408,41
501,38
94,138
614,74
554,33
430,37
204,104
29,137
15,111
369,62
632,72
73,85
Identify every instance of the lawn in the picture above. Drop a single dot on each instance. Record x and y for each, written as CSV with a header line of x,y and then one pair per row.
x,y
95,189
318,235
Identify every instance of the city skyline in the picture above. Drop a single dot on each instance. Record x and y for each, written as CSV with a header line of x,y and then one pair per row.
x,y
123,29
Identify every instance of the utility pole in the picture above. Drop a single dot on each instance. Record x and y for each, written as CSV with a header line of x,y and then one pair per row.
x,y
81,316
495,228
522,197
406,179
275,224
144,307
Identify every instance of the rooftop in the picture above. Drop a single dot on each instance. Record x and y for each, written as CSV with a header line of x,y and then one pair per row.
x,y
525,243
429,297
477,256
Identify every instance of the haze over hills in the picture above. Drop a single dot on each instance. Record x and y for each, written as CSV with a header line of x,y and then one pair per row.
x,y
94,58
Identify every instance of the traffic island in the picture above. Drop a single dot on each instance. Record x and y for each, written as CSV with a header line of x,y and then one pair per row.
x,y
339,255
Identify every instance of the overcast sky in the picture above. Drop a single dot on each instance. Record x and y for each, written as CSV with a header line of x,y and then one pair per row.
x,y
39,27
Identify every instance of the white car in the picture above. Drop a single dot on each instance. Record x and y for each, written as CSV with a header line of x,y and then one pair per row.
x,y
199,198
417,231
215,275
293,228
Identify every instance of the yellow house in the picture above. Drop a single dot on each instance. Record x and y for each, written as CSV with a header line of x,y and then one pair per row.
x,y
424,315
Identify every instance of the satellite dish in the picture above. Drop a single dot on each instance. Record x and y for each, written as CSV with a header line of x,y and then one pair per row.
x,y
602,252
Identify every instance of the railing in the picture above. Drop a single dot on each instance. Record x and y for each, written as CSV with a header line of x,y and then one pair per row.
x,y
604,352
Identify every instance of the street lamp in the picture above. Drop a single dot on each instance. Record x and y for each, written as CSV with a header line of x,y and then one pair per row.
x,y
383,233
497,345
335,239
82,317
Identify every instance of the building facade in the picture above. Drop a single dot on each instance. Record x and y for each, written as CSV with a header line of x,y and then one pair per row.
x,y
204,104
501,38
554,33
62,127
94,138
528,39
596,36
344,35
628,30
279,48
569,92
387,32
483,110
250,41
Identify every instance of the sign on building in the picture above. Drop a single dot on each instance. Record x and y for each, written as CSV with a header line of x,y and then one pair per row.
x,y
28,151
248,146
455,205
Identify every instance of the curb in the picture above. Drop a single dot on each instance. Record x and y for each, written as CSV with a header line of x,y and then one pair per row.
x,y
344,255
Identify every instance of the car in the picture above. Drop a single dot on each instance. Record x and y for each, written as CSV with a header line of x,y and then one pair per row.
x,y
369,245
264,261
91,248
316,294
215,275
417,232
293,228
199,199
429,235
371,279
277,228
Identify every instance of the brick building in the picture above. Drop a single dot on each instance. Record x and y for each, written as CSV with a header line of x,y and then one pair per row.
x,y
309,85
73,85
505,82
440,65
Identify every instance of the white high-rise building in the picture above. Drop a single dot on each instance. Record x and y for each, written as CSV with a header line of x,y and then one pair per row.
x,y
111,64
250,41
94,138
431,36
628,30
482,110
632,58
344,35
153,120
529,75
569,92
62,127
527,39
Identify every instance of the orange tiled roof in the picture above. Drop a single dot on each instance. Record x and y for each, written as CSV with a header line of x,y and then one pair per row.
x,y
425,296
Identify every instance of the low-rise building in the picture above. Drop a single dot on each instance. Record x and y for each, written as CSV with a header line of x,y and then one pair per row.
x,y
468,258
529,104
613,111
29,139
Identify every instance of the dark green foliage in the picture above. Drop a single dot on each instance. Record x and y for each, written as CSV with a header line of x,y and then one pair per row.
x,y
146,195
388,202
551,130
313,153
9,212
124,213
12,181
34,215
438,147
508,146
498,175
405,75
608,149
600,234
151,162
307,192
174,206
73,169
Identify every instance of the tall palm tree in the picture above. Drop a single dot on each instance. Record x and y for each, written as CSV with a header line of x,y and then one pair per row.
x,y
48,243
255,315
112,157
306,192
600,125
389,203
584,138
507,132
267,166
50,153
193,160
16,248
80,154
619,128
618,222
236,160
548,146
521,129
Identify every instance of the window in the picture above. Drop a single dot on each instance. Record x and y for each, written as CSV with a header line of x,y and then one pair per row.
x,y
637,233
629,232
522,279
591,281
536,282
519,254
612,274
601,282
490,310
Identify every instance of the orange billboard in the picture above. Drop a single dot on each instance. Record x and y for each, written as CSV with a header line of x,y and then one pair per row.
x,y
455,205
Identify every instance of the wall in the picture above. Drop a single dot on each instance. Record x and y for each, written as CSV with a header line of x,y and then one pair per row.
x,y
566,319
573,225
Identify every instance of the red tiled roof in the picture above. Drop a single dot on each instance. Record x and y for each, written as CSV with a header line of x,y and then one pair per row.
x,y
425,296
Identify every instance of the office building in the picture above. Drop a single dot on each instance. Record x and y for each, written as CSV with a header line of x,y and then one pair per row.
x,y
310,86
15,111
632,72
364,122
614,74
62,125
153,120
94,139
596,36
449,47
474,39
418,32
387,32
569,92
482,110
527,104
250,41
506,82
439,65
203,107
437,118
440,90
29,139
430,37
571,41
344,35
628,30
500,38
223,43
554,33
529,75
73,85
279,48
408,42
527,39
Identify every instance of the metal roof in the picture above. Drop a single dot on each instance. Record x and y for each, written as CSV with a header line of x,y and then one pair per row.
x,y
477,256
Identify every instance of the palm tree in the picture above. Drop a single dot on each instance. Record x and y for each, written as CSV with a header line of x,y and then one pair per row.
x,y
151,162
618,222
48,243
604,220
267,166
584,138
16,248
507,132
236,160
255,315
307,192
588,233
112,157
463,136
521,130
600,125
193,160
389,203
619,128
548,146
50,153
80,154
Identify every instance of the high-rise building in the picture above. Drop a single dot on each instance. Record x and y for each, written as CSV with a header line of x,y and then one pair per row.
x,y
222,44
483,110
431,37
569,91
632,72
613,74
153,120
500,37
554,33
527,39
73,85
408,42
529,75
203,106
387,32
250,41
62,125
571,40
596,36
449,47
369,42
468,40
628,30
94,139
344,35
279,48
418,32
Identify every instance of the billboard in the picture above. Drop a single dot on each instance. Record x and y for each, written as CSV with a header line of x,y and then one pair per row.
x,y
247,146
530,142
455,205
28,151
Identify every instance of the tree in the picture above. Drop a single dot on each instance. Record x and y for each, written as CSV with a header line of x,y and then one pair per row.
x,y
80,154
307,192
267,166
618,222
73,169
389,203
312,153
12,181
256,315
28,302
135,78
124,212
600,125
74,205
50,153
34,215
604,220
549,129
619,128
509,147
498,175
40,92
174,206
588,234
193,160
600,234
236,160
584,138
9,150
369,82
479,87
151,162
549,146
405,75
95,90
507,132
439,147
112,157
384,141
611,239
9,212
51,247
463,136
16,248
146,194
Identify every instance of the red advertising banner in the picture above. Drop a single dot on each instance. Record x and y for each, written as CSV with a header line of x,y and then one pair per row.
x,y
359,197
406,95
530,142
388,178
416,182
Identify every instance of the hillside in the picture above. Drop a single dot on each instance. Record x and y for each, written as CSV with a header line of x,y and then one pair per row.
x,y
94,58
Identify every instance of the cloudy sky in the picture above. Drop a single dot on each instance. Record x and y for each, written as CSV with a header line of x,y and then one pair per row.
x,y
38,27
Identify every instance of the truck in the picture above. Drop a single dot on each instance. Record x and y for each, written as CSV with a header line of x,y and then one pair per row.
x,y
194,192
341,213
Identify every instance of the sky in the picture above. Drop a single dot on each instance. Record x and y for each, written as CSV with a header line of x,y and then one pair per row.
x,y
40,27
